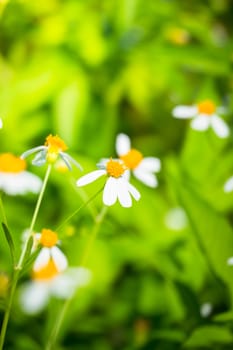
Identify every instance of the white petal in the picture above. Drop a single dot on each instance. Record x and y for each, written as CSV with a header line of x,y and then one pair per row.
x,y
33,150
219,126
110,191
86,179
201,122
126,175
228,186
19,183
123,193
230,261
33,297
145,177
184,112
150,164
102,163
123,144
134,192
65,284
68,159
59,259
42,259
1,124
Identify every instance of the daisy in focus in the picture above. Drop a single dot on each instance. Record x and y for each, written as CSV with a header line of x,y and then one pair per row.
x,y
50,255
205,115
116,186
52,151
14,179
143,168
47,282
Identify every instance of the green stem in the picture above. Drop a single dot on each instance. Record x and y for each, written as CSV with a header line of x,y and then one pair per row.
x,y
8,310
35,214
77,210
19,265
53,338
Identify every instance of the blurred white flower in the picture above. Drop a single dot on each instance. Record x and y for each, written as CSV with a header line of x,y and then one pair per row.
x,y
230,261
51,152
47,283
49,252
205,114
143,168
176,219
1,123
228,186
116,187
14,179
206,309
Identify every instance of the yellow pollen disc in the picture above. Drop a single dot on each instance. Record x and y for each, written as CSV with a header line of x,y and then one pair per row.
x,y
48,238
206,107
47,272
115,168
55,144
11,164
132,159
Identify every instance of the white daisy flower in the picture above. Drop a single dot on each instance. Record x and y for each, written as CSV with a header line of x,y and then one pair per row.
x,y
205,115
52,152
48,282
143,168
14,179
116,187
48,239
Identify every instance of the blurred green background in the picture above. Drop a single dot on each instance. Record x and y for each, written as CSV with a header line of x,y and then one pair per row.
x,y
87,70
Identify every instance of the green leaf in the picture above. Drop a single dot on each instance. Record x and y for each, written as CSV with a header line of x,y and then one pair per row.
x,y
224,317
212,231
2,212
209,336
29,260
29,248
9,240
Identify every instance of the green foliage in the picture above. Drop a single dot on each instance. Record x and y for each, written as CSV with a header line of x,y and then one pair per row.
x,y
88,70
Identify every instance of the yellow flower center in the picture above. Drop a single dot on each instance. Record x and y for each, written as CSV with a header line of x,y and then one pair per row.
x,y
55,145
11,164
206,107
115,168
47,272
48,238
132,159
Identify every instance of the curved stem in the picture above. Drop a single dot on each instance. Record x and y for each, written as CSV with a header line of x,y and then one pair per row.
x,y
18,267
53,338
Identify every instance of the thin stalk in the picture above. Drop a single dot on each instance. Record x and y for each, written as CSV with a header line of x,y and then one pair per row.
x,y
34,217
19,265
77,210
53,338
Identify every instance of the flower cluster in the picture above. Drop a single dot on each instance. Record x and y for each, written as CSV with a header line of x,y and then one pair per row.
x,y
51,275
